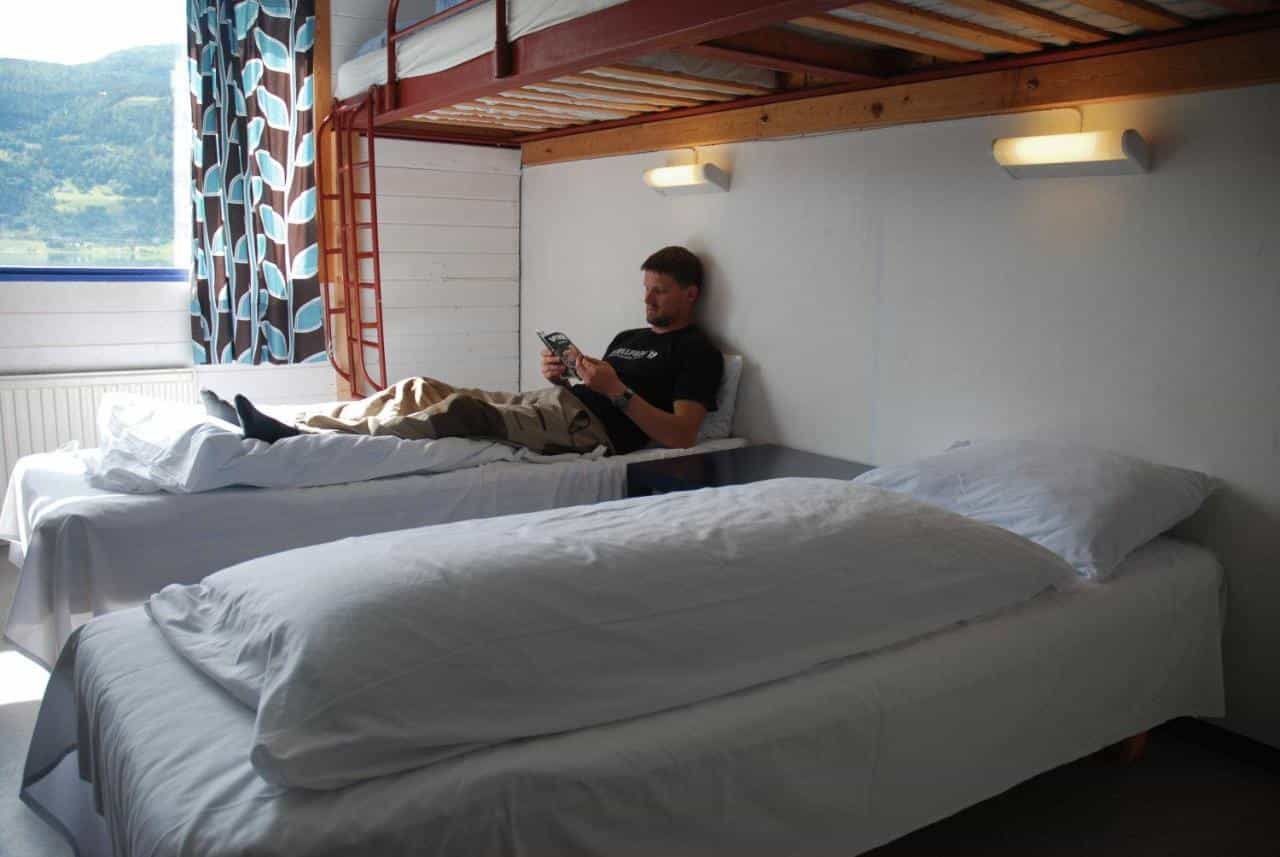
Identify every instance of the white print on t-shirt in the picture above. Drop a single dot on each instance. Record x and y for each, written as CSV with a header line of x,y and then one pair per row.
x,y
633,354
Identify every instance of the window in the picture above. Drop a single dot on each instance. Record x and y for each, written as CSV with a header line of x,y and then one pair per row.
x,y
94,135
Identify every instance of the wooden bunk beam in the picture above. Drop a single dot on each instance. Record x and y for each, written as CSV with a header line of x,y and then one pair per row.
x,y
611,35
1148,16
923,19
783,50
1237,52
849,28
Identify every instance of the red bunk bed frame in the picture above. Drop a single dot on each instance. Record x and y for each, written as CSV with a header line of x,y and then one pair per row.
x,y
482,101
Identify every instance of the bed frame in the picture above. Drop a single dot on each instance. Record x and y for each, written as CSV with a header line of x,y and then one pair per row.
x,y
831,73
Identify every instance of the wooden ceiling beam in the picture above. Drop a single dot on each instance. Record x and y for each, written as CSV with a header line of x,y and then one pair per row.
x,y
1037,19
838,26
784,50
1017,84
923,19
1146,15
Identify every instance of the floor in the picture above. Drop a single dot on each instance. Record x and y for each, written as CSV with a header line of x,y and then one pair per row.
x,y
1181,800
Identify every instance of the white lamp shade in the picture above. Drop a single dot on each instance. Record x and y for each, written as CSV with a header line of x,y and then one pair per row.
x,y
1090,153
687,178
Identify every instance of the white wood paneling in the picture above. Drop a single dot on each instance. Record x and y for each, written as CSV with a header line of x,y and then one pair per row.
x,y
436,268
405,181
486,240
455,293
442,211
89,326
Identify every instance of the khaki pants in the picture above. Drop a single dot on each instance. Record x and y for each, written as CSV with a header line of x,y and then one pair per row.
x,y
548,420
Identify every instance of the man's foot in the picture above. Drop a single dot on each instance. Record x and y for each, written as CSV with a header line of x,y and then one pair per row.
x,y
257,425
218,408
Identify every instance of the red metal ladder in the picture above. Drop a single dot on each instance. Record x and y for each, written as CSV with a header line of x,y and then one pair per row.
x,y
353,349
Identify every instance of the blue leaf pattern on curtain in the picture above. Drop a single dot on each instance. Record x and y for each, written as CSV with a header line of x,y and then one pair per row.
x,y
255,297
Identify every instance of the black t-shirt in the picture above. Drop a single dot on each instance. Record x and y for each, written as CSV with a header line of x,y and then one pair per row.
x,y
661,368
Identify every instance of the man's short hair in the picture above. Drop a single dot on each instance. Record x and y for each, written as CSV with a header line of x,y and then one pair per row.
x,y
677,263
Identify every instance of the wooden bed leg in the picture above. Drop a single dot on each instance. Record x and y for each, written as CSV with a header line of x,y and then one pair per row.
x,y
1129,750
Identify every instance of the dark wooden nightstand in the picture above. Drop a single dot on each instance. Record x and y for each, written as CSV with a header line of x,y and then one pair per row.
x,y
733,467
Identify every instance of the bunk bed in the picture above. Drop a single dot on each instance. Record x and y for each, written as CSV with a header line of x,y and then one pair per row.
x,y
565,79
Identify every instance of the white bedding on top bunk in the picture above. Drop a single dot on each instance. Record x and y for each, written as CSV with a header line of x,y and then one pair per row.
x,y
83,551
835,761
455,40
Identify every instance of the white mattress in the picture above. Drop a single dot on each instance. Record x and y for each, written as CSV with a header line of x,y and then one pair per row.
x,y
84,552
834,761
469,34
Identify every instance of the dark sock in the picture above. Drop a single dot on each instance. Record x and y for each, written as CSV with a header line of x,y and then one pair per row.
x,y
218,408
255,424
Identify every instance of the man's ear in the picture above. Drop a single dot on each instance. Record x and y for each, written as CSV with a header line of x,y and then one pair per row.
x,y
697,293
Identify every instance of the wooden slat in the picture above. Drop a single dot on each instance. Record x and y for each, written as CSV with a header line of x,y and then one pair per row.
x,y
571,101
1243,59
543,108
884,36
445,118
923,19
785,50
678,80
594,92
1037,19
479,111
675,96
1148,16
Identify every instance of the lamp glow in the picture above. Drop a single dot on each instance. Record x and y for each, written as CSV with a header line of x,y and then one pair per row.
x,y
687,178
1090,153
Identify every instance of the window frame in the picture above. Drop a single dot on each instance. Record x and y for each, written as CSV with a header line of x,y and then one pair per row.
x,y
19,274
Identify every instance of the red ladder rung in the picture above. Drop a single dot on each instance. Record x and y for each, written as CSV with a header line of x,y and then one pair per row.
x,y
371,343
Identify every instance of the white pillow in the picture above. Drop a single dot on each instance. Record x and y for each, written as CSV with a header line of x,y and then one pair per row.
x,y
719,423
1090,507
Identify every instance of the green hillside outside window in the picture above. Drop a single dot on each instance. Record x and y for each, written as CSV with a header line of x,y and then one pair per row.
x,y
89,138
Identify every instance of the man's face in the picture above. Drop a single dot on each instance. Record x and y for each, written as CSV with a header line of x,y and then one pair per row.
x,y
666,302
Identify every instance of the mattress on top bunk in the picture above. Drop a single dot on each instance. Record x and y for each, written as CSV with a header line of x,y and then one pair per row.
x,y
85,552
469,34
833,761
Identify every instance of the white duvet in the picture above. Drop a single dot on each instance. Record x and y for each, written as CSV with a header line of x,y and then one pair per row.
x,y
370,656
149,446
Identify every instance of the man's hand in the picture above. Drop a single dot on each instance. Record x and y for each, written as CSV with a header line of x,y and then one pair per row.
x,y
553,368
599,375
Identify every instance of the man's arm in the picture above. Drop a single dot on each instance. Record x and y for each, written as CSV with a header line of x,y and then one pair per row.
x,y
677,430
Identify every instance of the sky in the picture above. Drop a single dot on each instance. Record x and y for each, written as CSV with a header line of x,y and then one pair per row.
x,y
76,31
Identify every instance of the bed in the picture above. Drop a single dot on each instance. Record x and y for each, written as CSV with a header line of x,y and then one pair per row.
x,y
833,761
83,552
867,662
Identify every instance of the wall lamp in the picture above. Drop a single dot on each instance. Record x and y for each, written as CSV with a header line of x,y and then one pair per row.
x,y
1088,153
687,178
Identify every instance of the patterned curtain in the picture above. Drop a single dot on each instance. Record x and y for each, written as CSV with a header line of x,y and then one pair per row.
x,y
255,295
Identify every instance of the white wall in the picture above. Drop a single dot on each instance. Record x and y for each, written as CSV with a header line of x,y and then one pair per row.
x,y
449,238
894,291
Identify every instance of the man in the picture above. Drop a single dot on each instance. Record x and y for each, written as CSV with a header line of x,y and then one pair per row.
x,y
654,383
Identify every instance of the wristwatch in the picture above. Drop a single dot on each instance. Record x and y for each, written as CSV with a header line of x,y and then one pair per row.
x,y
623,399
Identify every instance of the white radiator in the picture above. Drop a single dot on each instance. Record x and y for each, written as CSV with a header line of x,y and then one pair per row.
x,y
39,413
